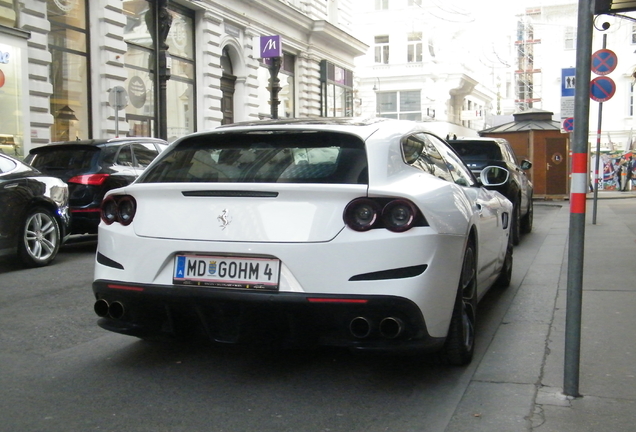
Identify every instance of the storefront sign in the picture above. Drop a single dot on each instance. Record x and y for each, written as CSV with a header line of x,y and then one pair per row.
x,y
268,46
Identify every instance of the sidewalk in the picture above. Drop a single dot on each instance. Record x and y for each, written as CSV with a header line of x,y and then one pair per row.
x,y
519,382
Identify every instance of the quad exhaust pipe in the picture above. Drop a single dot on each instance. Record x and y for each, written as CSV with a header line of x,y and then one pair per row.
x,y
114,310
389,328
360,327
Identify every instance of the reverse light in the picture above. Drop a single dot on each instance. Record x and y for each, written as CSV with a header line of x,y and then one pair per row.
x,y
89,179
118,208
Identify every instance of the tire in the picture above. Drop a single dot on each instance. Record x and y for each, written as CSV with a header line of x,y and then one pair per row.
x,y
515,229
526,221
460,341
505,277
39,239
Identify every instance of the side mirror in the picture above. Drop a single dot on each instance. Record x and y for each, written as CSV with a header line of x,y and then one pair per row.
x,y
526,164
494,176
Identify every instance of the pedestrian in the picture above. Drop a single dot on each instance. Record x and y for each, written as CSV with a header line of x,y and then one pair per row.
x,y
629,166
618,171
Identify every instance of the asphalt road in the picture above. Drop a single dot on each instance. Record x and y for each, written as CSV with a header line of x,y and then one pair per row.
x,y
61,372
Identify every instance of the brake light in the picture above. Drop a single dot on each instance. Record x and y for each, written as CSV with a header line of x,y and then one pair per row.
x,y
397,215
89,179
118,208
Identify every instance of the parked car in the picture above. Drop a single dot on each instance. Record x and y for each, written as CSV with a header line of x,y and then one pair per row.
x,y
371,235
93,167
478,153
34,213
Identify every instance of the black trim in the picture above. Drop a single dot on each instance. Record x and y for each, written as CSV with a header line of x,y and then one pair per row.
x,y
103,260
250,316
398,273
240,194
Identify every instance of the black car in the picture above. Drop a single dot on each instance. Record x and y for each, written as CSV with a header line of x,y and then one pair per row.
x,y
34,213
93,167
479,153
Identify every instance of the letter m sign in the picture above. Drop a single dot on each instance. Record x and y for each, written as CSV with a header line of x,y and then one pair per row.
x,y
269,46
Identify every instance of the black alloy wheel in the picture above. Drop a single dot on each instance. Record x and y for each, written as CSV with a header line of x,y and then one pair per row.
x,y
515,228
460,341
526,221
505,277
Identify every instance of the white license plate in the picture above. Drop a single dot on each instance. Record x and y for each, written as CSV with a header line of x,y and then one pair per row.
x,y
226,272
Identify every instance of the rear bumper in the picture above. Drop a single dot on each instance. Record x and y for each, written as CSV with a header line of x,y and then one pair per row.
x,y
360,322
85,220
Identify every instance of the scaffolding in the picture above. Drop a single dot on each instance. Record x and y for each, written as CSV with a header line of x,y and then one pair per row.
x,y
527,74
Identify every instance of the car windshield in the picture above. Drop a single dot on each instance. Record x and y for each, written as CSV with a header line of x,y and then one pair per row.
x,y
264,157
477,151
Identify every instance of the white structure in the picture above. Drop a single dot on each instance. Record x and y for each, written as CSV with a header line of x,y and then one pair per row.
x,y
451,62
60,60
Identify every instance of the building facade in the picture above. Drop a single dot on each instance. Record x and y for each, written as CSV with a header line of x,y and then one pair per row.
x,y
448,63
77,69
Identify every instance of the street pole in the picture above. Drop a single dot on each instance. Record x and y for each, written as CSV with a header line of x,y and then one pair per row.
x,y
163,23
598,144
274,85
578,195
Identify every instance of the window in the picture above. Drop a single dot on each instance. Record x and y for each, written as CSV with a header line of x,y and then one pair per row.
x,y
634,33
124,158
381,4
143,154
382,49
570,37
139,60
458,170
283,157
414,48
6,165
180,89
336,90
419,152
69,70
285,95
404,105
415,3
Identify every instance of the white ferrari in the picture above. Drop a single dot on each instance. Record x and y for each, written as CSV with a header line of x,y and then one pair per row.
x,y
367,234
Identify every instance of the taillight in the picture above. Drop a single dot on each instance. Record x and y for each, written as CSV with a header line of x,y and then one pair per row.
x,y
118,208
89,179
109,210
397,215
361,214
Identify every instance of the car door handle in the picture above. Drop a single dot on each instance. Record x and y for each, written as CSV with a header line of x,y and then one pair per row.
x,y
11,186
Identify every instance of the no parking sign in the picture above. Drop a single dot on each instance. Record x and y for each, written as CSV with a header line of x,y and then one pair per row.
x,y
602,89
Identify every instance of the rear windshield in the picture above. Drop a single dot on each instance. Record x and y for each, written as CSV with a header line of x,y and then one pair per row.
x,y
477,151
264,157
63,158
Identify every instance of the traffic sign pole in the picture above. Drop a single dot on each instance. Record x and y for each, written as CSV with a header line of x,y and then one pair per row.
x,y
578,189
602,89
